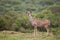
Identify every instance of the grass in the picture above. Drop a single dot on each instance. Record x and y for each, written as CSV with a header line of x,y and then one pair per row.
x,y
25,36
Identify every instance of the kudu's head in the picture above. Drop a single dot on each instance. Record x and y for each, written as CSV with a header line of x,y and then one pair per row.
x,y
29,12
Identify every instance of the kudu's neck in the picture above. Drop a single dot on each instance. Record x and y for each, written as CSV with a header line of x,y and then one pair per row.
x,y
30,18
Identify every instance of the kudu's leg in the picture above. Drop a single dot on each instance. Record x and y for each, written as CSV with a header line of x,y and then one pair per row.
x,y
47,28
35,31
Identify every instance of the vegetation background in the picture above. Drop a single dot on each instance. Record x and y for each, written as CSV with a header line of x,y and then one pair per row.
x,y
13,15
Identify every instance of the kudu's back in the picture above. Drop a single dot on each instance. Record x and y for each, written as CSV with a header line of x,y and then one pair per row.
x,y
39,22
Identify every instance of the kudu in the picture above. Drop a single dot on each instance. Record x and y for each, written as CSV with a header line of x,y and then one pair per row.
x,y
36,22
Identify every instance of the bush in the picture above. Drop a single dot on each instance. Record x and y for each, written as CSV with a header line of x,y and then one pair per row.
x,y
2,23
22,24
